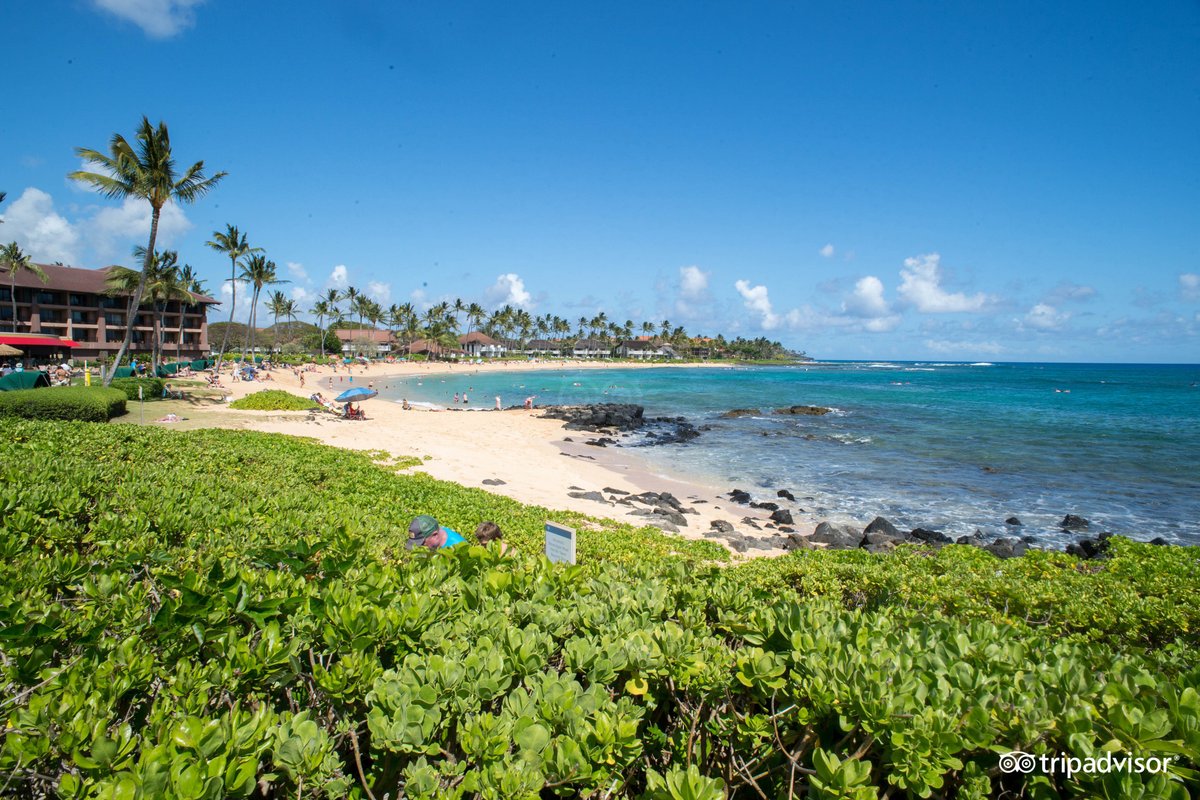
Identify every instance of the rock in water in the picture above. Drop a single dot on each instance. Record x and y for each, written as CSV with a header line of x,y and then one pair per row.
x,y
621,416
811,411
1012,521
1073,523
1006,548
786,495
741,412
882,525
931,537
739,496
782,516
837,537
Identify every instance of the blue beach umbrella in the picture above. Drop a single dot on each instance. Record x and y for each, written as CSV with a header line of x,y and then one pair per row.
x,y
355,395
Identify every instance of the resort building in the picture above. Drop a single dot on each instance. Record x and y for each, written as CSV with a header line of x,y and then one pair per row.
x,y
641,349
365,341
543,347
479,345
75,307
591,348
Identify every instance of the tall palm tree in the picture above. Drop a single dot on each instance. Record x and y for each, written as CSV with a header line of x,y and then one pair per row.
x,y
321,310
290,310
191,284
233,244
351,296
123,282
648,328
14,261
146,172
162,286
475,316
258,272
277,304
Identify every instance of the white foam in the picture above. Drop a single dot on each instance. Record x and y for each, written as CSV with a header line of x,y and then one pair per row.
x,y
983,364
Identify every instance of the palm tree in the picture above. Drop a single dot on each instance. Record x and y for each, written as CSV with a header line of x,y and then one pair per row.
x,y
191,284
147,172
162,286
13,260
233,244
648,328
123,282
291,309
321,309
351,295
277,305
258,272
475,316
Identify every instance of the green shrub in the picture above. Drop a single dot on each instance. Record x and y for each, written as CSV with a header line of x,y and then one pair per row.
x,y
244,602
273,400
152,388
84,403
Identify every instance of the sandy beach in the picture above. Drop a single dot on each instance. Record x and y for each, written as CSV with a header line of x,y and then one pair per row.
x,y
515,453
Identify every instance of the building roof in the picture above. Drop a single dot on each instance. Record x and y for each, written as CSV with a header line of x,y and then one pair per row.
x,y
358,334
36,340
74,279
637,344
476,336
590,344
543,344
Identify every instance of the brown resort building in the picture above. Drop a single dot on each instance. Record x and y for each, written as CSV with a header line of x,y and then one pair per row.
x,y
73,314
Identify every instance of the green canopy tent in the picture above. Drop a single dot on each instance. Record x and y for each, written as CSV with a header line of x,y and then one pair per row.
x,y
27,379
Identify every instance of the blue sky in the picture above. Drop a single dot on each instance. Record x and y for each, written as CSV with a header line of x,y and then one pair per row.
x,y
858,180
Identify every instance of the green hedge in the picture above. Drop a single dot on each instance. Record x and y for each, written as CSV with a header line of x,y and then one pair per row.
x,y
152,388
273,400
84,403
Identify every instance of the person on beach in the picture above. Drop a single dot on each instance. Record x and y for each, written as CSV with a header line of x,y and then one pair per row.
x,y
456,398
529,402
490,532
497,402
424,531
464,400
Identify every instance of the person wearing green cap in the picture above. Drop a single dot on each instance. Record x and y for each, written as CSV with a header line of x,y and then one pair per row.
x,y
424,531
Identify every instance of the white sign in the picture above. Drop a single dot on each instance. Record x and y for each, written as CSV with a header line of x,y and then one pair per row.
x,y
560,543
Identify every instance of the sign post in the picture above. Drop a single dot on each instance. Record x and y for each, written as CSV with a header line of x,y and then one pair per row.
x,y
142,404
560,543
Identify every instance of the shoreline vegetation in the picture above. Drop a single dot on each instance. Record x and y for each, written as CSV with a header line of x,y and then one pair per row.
x,y
212,613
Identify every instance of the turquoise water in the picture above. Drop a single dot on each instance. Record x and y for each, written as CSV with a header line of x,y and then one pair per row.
x,y
957,447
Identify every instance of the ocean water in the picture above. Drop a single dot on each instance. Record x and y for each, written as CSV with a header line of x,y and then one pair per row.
x,y
951,446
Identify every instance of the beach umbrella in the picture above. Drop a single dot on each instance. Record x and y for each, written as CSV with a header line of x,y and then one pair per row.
x,y
356,394
248,371
8,350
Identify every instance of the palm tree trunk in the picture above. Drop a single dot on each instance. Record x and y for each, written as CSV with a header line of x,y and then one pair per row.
x,y
179,338
232,306
12,294
136,301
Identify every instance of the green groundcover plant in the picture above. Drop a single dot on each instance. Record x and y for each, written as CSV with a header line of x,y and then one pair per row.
x,y
216,613
152,388
273,400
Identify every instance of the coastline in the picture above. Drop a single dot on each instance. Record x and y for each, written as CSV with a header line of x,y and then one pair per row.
x,y
518,454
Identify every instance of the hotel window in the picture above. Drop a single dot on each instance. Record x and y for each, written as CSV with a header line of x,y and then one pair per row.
x,y
112,302
81,318
113,336
79,300
52,316
47,298
6,295
114,319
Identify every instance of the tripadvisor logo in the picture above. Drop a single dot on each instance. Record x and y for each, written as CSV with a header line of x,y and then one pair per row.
x,y
1017,761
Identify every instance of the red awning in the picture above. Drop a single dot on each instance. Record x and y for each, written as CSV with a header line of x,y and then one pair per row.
x,y
33,340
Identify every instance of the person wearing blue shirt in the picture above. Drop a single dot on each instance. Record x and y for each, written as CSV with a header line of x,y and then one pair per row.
x,y
424,531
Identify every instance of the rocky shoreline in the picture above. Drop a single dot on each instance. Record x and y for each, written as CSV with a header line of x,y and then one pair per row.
x,y
625,425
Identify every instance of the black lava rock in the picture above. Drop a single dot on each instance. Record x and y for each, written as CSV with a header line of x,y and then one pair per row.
x,y
882,525
930,537
1073,523
1007,548
782,516
837,537
1012,521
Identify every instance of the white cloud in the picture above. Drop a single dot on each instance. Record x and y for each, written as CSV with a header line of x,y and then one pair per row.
x,y
112,232
827,251
756,299
1045,317
1189,286
867,307
920,286
509,289
302,296
297,271
961,347
159,19
693,283
338,277
379,292
43,234
692,297
242,312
